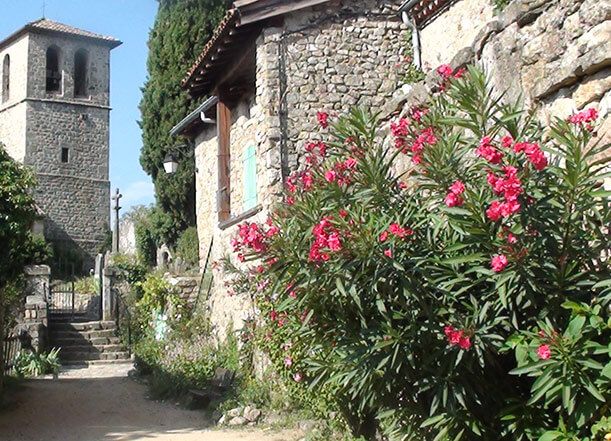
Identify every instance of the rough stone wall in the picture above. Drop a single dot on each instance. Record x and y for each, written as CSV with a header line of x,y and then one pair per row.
x,y
262,129
553,54
453,30
337,56
12,112
187,287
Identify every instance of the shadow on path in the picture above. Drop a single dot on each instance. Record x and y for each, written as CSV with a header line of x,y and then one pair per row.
x,y
110,408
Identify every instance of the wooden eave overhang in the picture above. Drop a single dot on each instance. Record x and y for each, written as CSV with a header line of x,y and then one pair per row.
x,y
237,31
424,11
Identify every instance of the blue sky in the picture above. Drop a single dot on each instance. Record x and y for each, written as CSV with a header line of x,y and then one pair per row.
x,y
130,22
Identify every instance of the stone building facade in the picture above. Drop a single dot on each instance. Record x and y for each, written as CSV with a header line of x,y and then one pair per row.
x,y
54,117
284,68
554,54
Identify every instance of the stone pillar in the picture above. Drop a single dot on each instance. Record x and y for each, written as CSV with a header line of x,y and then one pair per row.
x,y
36,308
108,294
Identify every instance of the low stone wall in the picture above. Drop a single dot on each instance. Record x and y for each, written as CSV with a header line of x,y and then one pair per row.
x,y
33,324
187,287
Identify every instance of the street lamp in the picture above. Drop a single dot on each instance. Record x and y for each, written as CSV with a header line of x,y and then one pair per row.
x,y
170,164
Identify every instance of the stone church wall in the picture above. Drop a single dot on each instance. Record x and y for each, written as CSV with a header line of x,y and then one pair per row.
x,y
12,130
12,112
98,69
36,125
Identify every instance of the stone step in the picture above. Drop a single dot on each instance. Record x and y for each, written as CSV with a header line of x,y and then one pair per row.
x,y
87,363
83,326
92,348
87,356
80,341
83,335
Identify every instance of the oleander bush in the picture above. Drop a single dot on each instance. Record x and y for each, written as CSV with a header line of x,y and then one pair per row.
x,y
465,296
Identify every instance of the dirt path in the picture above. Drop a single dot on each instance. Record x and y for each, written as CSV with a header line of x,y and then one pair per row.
x,y
98,404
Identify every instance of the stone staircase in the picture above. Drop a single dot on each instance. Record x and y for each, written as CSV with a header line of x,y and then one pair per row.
x,y
87,342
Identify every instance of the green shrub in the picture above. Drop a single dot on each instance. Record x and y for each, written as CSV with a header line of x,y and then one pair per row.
x,y
86,285
464,297
31,364
187,247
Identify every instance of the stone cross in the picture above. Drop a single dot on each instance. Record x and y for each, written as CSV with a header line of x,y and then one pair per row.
x,y
115,230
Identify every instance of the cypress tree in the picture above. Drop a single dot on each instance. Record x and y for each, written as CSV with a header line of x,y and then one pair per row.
x,y
180,31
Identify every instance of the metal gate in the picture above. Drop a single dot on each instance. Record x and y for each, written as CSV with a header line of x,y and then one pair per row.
x,y
62,299
65,302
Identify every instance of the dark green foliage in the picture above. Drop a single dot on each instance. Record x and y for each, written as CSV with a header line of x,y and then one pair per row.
x,y
17,214
187,247
181,29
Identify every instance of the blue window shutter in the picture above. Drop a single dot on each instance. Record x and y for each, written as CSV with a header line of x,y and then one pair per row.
x,y
250,178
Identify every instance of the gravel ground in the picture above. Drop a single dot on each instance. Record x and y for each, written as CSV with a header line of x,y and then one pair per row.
x,y
102,403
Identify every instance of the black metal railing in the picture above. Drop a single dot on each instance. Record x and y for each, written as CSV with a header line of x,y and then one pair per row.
x,y
206,277
12,347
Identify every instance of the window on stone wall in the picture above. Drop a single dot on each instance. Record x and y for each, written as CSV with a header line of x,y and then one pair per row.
x,y
53,74
65,155
6,78
80,73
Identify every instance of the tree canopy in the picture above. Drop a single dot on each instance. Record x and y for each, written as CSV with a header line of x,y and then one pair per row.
x,y
181,29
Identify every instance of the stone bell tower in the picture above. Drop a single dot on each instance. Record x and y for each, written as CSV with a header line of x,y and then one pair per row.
x,y
54,117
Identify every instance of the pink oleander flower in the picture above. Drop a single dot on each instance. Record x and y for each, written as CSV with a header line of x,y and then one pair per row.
x,y
288,362
445,71
323,119
464,343
333,242
584,118
307,180
350,163
383,236
453,200
487,151
331,176
298,377
511,238
498,263
507,141
457,337
399,231
457,187
290,200
399,128
388,253
544,352
494,212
